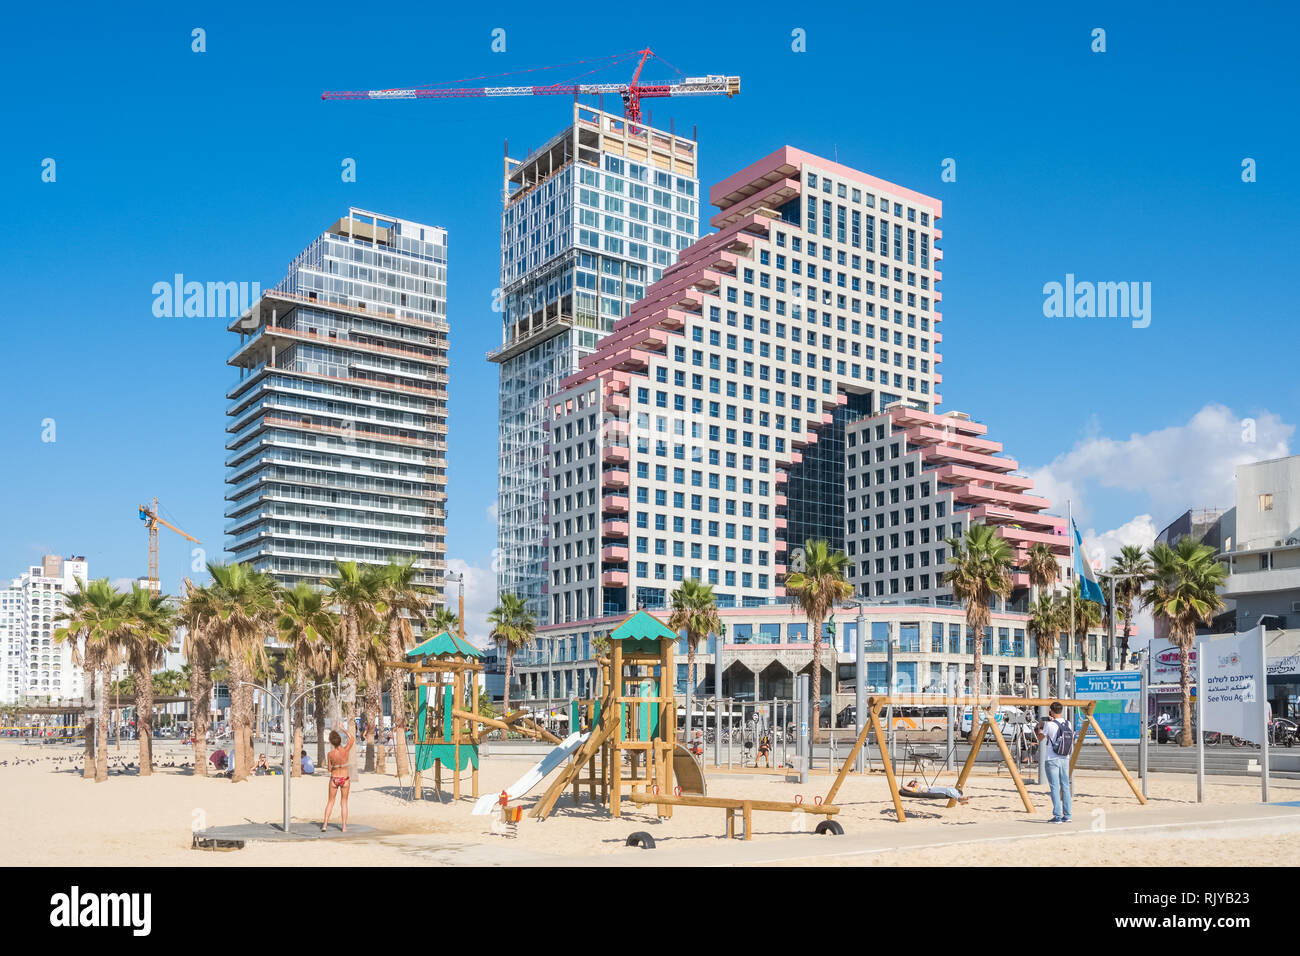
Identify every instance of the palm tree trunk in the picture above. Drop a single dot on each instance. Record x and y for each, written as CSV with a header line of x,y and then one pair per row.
x,y
690,666
299,715
1123,640
200,691
373,708
101,724
397,699
144,715
1185,680
92,724
241,719
510,659
319,719
351,670
1083,651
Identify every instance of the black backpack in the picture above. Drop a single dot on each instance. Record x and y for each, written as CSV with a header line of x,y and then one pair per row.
x,y
1064,742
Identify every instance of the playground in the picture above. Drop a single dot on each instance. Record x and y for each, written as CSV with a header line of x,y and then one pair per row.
x,y
621,789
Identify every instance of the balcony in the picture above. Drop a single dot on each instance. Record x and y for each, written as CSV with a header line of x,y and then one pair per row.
x,y
614,552
615,478
618,454
619,403
616,504
779,500
614,579
614,528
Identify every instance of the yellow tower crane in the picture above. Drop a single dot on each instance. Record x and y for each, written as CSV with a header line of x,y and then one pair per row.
x,y
150,517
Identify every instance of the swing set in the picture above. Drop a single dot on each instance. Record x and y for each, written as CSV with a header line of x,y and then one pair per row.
x,y
987,709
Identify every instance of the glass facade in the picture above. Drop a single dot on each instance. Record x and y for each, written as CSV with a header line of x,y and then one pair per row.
x,y
338,424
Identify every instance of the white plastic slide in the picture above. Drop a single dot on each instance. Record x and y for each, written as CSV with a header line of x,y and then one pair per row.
x,y
540,771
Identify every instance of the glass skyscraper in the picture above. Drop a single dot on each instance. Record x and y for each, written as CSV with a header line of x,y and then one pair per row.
x,y
338,424
590,220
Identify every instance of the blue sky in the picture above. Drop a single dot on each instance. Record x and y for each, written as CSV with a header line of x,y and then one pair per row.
x,y
1122,165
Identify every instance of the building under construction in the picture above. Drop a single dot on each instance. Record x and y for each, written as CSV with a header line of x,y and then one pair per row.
x,y
589,221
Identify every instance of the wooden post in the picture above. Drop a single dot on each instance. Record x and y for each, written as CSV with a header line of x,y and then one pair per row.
x,y
452,721
473,676
1074,755
668,720
853,755
889,766
1010,761
616,770
1119,764
749,820
970,757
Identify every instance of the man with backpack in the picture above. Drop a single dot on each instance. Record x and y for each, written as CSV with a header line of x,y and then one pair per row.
x,y
1057,735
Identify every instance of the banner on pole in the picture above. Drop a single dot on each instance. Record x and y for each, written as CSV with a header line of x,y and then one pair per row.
x,y
1235,692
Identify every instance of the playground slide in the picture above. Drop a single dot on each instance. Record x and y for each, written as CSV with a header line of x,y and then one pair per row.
x,y
534,776
690,776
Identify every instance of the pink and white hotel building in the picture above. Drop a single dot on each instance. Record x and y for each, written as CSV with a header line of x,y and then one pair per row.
x,y
731,414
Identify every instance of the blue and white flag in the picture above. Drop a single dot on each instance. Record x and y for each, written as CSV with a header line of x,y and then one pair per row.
x,y
1089,589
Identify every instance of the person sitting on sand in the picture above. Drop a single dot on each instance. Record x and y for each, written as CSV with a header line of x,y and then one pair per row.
x,y
914,786
340,783
219,760
308,767
262,770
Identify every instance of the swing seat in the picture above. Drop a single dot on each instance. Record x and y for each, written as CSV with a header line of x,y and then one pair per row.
x,y
917,795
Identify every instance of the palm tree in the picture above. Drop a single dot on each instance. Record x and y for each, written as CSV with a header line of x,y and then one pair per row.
x,y
513,627
1087,615
94,624
1133,563
444,619
1184,583
695,611
1042,567
201,647
817,589
981,565
404,604
305,624
1047,618
355,593
148,625
245,604
374,647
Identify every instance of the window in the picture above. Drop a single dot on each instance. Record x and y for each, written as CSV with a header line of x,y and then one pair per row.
x,y
1266,502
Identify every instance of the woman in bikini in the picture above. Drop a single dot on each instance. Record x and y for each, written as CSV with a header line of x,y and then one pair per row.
x,y
340,783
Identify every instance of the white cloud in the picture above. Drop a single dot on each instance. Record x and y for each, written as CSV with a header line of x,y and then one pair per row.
x,y
480,598
1183,466
1103,547
123,584
493,512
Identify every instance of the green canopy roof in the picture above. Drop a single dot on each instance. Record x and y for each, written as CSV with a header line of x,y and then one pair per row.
x,y
442,645
642,626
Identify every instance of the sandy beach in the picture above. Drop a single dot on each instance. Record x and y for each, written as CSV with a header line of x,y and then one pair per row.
x,y
50,816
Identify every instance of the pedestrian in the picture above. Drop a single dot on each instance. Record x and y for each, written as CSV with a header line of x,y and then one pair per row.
x,y
1057,736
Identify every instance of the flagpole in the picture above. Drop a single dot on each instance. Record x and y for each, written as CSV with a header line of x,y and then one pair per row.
x,y
1074,574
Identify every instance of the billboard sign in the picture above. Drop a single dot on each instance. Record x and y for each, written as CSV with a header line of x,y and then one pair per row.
x,y
1119,711
1166,667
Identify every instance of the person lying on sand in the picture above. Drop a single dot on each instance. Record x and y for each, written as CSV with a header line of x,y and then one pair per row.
x,y
951,792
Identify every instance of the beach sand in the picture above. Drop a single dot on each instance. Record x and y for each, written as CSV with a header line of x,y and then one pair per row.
x,y
50,816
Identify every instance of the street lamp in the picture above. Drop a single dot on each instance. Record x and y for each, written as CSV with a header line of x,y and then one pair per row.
x,y
860,675
287,708
1110,616
459,578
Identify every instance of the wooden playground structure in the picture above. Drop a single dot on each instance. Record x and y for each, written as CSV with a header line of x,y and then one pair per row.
x,y
635,722
987,709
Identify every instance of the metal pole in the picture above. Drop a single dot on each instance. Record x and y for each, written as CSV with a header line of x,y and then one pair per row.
x,y
717,699
1110,629
1265,707
287,725
1200,723
860,682
802,691
889,689
1144,739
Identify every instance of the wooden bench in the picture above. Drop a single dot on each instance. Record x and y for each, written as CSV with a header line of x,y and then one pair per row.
x,y
732,804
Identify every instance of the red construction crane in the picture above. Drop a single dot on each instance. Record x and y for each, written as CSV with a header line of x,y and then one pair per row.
x,y
632,92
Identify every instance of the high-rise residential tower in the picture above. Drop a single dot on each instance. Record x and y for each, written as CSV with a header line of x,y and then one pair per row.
x,y
31,663
704,437
338,424
590,220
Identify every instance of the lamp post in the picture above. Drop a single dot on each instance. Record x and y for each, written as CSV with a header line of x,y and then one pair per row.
x,y
287,703
860,676
1110,617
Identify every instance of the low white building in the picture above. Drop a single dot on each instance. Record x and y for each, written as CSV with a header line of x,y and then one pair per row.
x,y
31,663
